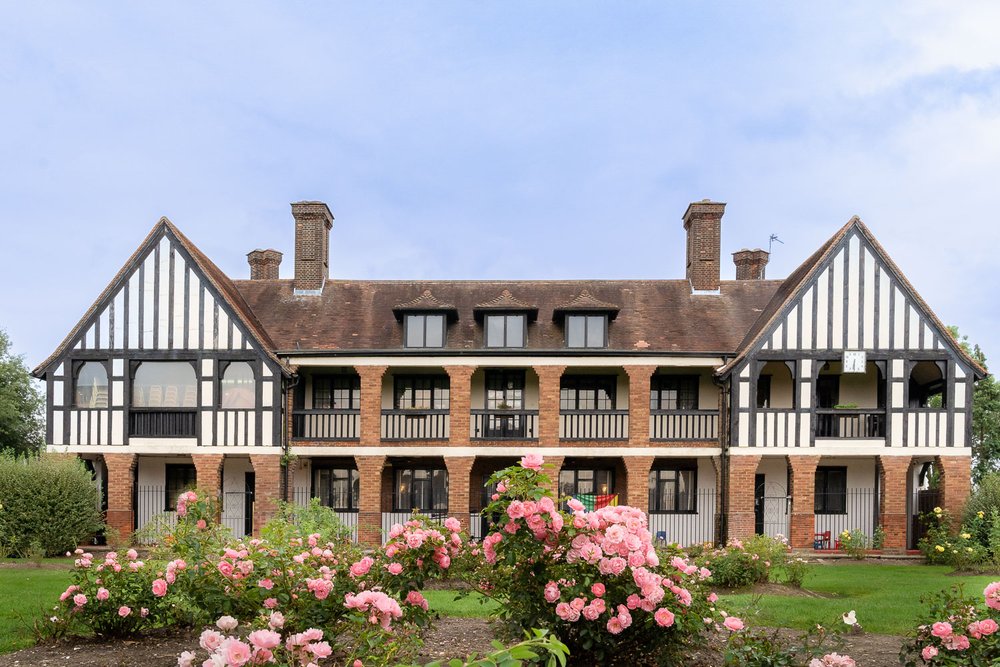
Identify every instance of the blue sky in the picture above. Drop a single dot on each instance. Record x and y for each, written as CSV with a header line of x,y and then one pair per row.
x,y
495,139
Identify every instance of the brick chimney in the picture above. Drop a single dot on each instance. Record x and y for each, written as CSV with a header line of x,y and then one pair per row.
x,y
313,222
703,224
264,264
750,263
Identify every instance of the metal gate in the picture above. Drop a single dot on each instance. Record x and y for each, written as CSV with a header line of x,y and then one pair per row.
x,y
771,509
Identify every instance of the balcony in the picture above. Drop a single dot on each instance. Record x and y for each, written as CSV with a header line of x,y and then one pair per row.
x,y
413,424
160,423
684,425
861,424
504,424
326,424
593,425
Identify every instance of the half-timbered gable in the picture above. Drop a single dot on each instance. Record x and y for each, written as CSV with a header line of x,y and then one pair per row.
x,y
848,350
168,356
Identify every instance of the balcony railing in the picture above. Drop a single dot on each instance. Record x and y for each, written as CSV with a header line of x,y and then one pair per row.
x,y
162,423
684,425
504,424
850,423
415,424
593,425
326,424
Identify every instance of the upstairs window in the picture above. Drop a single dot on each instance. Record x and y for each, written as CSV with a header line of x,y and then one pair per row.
x,y
505,330
422,392
91,386
238,389
674,392
587,392
164,384
424,330
586,331
336,392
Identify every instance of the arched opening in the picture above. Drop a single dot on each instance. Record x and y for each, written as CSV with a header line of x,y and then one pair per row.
x,y
165,384
776,385
91,386
238,387
928,384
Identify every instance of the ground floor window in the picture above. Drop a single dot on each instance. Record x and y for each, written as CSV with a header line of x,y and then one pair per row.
x,y
179,478
336,487
831,490
587,482
421,489
673,489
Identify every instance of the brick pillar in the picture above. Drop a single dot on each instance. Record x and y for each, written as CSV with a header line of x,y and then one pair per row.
x,y
802,527
121,468
208,472
740,494
267,488
371,404
460,391
553,464
638,404
459,484
370,504
718,525
892,474
548,405
956,484
637,481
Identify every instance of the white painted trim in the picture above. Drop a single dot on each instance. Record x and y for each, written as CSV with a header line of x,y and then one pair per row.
x,y
164,448
675,452
851,450
521,361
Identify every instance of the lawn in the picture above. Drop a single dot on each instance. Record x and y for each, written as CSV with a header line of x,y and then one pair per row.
x,y
27,593
885,597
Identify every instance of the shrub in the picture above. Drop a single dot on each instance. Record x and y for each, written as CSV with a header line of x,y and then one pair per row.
x,y
854,543
942,546
956,630
49,500
764,648
745,563
291,521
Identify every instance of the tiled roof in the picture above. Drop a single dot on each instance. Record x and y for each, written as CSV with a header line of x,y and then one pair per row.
x,y
585,302
505,302
425,302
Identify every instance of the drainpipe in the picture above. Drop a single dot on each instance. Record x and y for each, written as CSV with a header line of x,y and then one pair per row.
x,y
286,444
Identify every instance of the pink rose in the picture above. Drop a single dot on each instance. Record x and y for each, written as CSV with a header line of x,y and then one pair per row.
x,y
227,623
664,617
201,525
394,568
159,588
452,524
79,599
210,640
271,603
988,626
941,629
734,624
992,595
713,598
615,625
103,594
532,461
598,589
267,639
928,653
124,611
237,653
320,649
266,584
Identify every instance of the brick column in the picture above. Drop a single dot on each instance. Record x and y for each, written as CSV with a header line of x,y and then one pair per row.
x,y
370,503
553,464
892,473
460,391
638,404
718,526
121,468
956,484
459,484
208,472
637,481
802,527
740,492
548,405
267,488
371,404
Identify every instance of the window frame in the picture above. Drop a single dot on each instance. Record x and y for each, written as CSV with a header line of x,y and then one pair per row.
x,y
656,500
612,482
353,478
586,331
134,370
659,384
175,490
506,318
431,469
353,389
434,389
225,366
78,367
409,321
822,492
595,380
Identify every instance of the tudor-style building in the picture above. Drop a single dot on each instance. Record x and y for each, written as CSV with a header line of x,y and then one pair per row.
x,y
833,399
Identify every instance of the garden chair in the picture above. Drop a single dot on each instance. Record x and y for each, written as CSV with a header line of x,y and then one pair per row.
x,y
821,540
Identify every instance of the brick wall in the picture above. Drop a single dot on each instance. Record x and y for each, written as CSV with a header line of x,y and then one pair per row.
x,y
740,523
548,404
313,222
893,471
956,483
460,402
121,470
802,527
459,486
371,404
750,264
264,264
208,471
638,404
267,488
370,502
703,224
636,491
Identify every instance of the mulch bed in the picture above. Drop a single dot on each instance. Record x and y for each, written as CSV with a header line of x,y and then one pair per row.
x,y
451,638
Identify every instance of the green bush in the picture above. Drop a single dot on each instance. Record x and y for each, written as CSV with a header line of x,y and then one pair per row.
x,y
293,521
984,505
50,501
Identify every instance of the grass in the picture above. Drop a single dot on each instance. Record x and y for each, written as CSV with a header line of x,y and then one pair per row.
x,y
473,605
27,593
885,597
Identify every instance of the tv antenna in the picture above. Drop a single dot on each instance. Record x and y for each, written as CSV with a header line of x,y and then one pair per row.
x,y
771,240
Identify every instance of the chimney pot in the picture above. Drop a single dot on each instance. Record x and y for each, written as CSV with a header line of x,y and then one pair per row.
x,y
750,264
264,264
703,224
313,221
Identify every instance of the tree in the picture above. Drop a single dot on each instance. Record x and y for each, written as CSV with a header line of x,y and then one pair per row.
x,y
985,415
21,404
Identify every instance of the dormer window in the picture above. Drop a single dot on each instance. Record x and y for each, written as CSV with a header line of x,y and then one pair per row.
x,y
425,330
505,330
586,331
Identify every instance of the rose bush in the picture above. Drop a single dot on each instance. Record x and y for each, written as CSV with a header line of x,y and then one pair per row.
x,y
957,630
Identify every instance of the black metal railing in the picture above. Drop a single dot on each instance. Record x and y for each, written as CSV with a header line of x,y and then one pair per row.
x,y
326,424
348,516
684,425
415,424
686,528
593,424
237,512
151,516
851,509
504,424
850,423
162,423
389,519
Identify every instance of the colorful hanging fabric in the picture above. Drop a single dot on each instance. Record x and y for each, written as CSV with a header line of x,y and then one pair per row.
x,y
595,502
